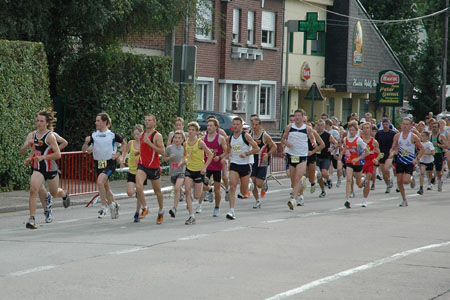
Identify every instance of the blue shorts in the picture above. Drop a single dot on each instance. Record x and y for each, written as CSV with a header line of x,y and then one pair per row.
x,y
259,172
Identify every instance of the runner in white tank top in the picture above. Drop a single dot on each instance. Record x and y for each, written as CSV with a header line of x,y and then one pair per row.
x,y
295,137
405,145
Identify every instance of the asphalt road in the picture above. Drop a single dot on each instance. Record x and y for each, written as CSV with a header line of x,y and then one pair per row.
x,y
319,251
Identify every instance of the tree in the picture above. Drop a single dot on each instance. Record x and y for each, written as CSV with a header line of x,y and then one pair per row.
x,y
422,60
66,27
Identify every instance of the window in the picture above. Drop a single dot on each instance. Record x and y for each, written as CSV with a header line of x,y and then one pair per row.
x,y
347,106
251,27
268,29
238,97
204,20
236,24
363,107
265,101
205,93
202,96
318,46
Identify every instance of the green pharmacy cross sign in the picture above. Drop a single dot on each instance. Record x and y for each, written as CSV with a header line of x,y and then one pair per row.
x,y
311,26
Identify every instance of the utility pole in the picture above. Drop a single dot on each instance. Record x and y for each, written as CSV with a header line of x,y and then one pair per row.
x,y
444,61
183,65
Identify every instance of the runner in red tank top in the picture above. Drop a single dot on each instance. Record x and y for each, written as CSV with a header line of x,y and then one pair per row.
x,y
355,150
371,159
152,145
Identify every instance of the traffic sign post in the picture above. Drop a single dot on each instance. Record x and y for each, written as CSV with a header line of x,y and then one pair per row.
x,y
313,94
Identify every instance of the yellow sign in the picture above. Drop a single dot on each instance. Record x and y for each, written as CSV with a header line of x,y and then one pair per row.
x,y
358,45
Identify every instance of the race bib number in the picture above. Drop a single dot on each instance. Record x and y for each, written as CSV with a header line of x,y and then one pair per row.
x,y
405,153
318,152
175,165
237,148
102,164
295,159
382,155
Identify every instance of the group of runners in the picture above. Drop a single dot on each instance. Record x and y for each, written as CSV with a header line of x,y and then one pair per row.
x,y
203,163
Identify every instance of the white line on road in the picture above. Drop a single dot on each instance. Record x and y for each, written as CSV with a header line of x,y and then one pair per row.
x,y
273,221
234,229
68,221
38,269
349,272
192,237
124,251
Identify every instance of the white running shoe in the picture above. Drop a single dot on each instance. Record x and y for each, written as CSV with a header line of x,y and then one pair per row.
x,y
265,187
291,203
300,200
230,215
112,210
303,181
227,195
102,213
413,182
257,204
198,209
364,203
338,183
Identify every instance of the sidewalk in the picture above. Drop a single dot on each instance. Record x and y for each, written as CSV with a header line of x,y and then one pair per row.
x,y
18,200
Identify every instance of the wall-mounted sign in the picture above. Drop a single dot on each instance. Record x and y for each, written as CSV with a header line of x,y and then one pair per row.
x,y
358,45
390,88
305,72
368,83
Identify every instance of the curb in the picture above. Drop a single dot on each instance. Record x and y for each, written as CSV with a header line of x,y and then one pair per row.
x,y
121,196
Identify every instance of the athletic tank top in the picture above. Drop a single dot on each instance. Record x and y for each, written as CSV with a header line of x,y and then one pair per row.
x,y
263,149
353,151
42,148
215,147
406,150
132,159
298,137
195,156
436,139
238,146
372,154
325,136
148,158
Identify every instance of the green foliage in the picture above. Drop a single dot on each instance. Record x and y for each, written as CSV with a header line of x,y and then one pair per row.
x,y
23,92
124,85
422,60
64,27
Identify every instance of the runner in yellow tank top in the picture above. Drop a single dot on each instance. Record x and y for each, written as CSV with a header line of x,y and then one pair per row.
x,y
194,151
134,149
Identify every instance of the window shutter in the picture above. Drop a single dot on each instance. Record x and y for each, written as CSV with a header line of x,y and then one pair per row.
x,y
236,21
251,20
268,21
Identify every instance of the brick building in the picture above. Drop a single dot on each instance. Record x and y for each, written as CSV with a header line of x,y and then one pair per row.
x,y
239,56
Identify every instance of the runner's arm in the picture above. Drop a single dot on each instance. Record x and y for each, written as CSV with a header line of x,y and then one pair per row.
x,y
272,146
28,143
251,141
51,140
208,153
62,142
394,148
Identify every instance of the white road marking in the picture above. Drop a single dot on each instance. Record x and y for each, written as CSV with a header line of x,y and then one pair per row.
x,y
124,251
192,237
349,272
273,221
234,229
68,221
38,269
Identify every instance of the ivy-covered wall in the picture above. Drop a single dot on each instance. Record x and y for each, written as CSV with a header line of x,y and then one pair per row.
x,y
23,92
124,85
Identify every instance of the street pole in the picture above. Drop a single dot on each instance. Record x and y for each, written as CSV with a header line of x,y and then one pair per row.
x,y
313,95
183,65
286,88
444,62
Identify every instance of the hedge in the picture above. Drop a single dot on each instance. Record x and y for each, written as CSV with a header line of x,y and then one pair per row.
x,y
24,91
124,85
